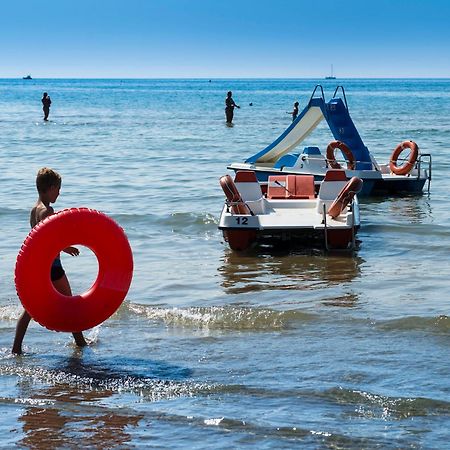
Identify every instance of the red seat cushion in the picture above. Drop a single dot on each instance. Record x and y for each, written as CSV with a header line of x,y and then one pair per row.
x,y
245,176
301,186
276,187
335,175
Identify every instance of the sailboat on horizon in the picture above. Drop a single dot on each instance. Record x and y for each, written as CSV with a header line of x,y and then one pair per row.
x,y
331,77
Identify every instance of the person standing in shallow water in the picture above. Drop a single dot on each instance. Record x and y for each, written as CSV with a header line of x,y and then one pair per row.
x,y
46,102
294,113
229,107
48,184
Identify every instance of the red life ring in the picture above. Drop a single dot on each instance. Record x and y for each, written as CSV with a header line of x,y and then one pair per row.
x,y
409,164
331,157
344,197
82,226
233,196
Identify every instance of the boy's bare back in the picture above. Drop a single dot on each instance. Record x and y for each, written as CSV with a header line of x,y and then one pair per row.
x,y
39,212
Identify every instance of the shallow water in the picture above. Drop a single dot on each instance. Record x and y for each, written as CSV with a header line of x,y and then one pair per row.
x,y
271,349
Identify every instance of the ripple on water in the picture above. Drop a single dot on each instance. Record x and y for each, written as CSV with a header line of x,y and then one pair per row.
x,y
224,317
150,389
373,405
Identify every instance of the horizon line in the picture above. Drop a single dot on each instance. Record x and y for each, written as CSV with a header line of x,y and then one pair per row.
x,y
225,78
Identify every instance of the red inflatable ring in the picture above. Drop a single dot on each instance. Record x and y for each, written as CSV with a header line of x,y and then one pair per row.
x,y
409,164
331,157
233,196
353,187
82,226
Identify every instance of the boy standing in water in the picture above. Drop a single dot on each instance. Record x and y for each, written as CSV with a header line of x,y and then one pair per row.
x,y
48,183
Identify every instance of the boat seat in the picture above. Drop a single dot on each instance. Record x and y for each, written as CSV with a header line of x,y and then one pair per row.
x,y
245,176
335,175
288,160
300,186
330,187
276,187
248,186
291,186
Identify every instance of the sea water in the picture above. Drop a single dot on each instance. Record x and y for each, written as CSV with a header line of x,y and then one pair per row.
x,y
212,349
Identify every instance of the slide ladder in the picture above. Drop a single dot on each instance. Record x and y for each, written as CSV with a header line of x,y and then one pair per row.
x,y
344,130
337,116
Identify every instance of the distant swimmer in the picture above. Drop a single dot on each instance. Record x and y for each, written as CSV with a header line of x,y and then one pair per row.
x,y
229,107
46,102
294,113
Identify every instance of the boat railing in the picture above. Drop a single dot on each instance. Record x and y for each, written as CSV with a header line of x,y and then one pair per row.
x,y
352,206
343,95
319,86
343,161
424,158
325,226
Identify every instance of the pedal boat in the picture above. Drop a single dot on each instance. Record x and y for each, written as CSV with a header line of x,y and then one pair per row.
x,y
400,175
290,211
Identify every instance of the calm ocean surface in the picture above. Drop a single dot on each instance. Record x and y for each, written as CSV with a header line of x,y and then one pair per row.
x,y
212,349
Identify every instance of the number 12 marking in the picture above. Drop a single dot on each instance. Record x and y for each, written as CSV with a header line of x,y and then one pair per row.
x,y
242,220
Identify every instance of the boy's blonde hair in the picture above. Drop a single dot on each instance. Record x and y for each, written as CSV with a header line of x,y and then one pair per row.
x,y
46,178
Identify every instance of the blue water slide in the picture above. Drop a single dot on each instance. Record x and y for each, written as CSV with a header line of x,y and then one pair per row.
x,y
344,130
337,116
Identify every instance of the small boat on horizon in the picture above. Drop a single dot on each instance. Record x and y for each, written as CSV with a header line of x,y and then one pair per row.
x,y
27,77
330,77
290,210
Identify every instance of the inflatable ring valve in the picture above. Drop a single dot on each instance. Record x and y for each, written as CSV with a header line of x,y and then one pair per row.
x,y
75,226
409,164
353,186
331,157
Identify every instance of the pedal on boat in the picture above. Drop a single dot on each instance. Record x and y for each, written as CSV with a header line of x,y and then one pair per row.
x,y
290,210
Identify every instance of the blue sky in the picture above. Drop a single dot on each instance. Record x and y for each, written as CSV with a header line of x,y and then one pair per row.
x,y
221,39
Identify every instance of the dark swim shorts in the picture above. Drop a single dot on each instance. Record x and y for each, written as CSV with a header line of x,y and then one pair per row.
x,y
57,271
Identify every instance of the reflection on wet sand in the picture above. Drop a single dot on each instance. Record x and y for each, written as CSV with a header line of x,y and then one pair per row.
x,y
256,271
53,427
64,416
